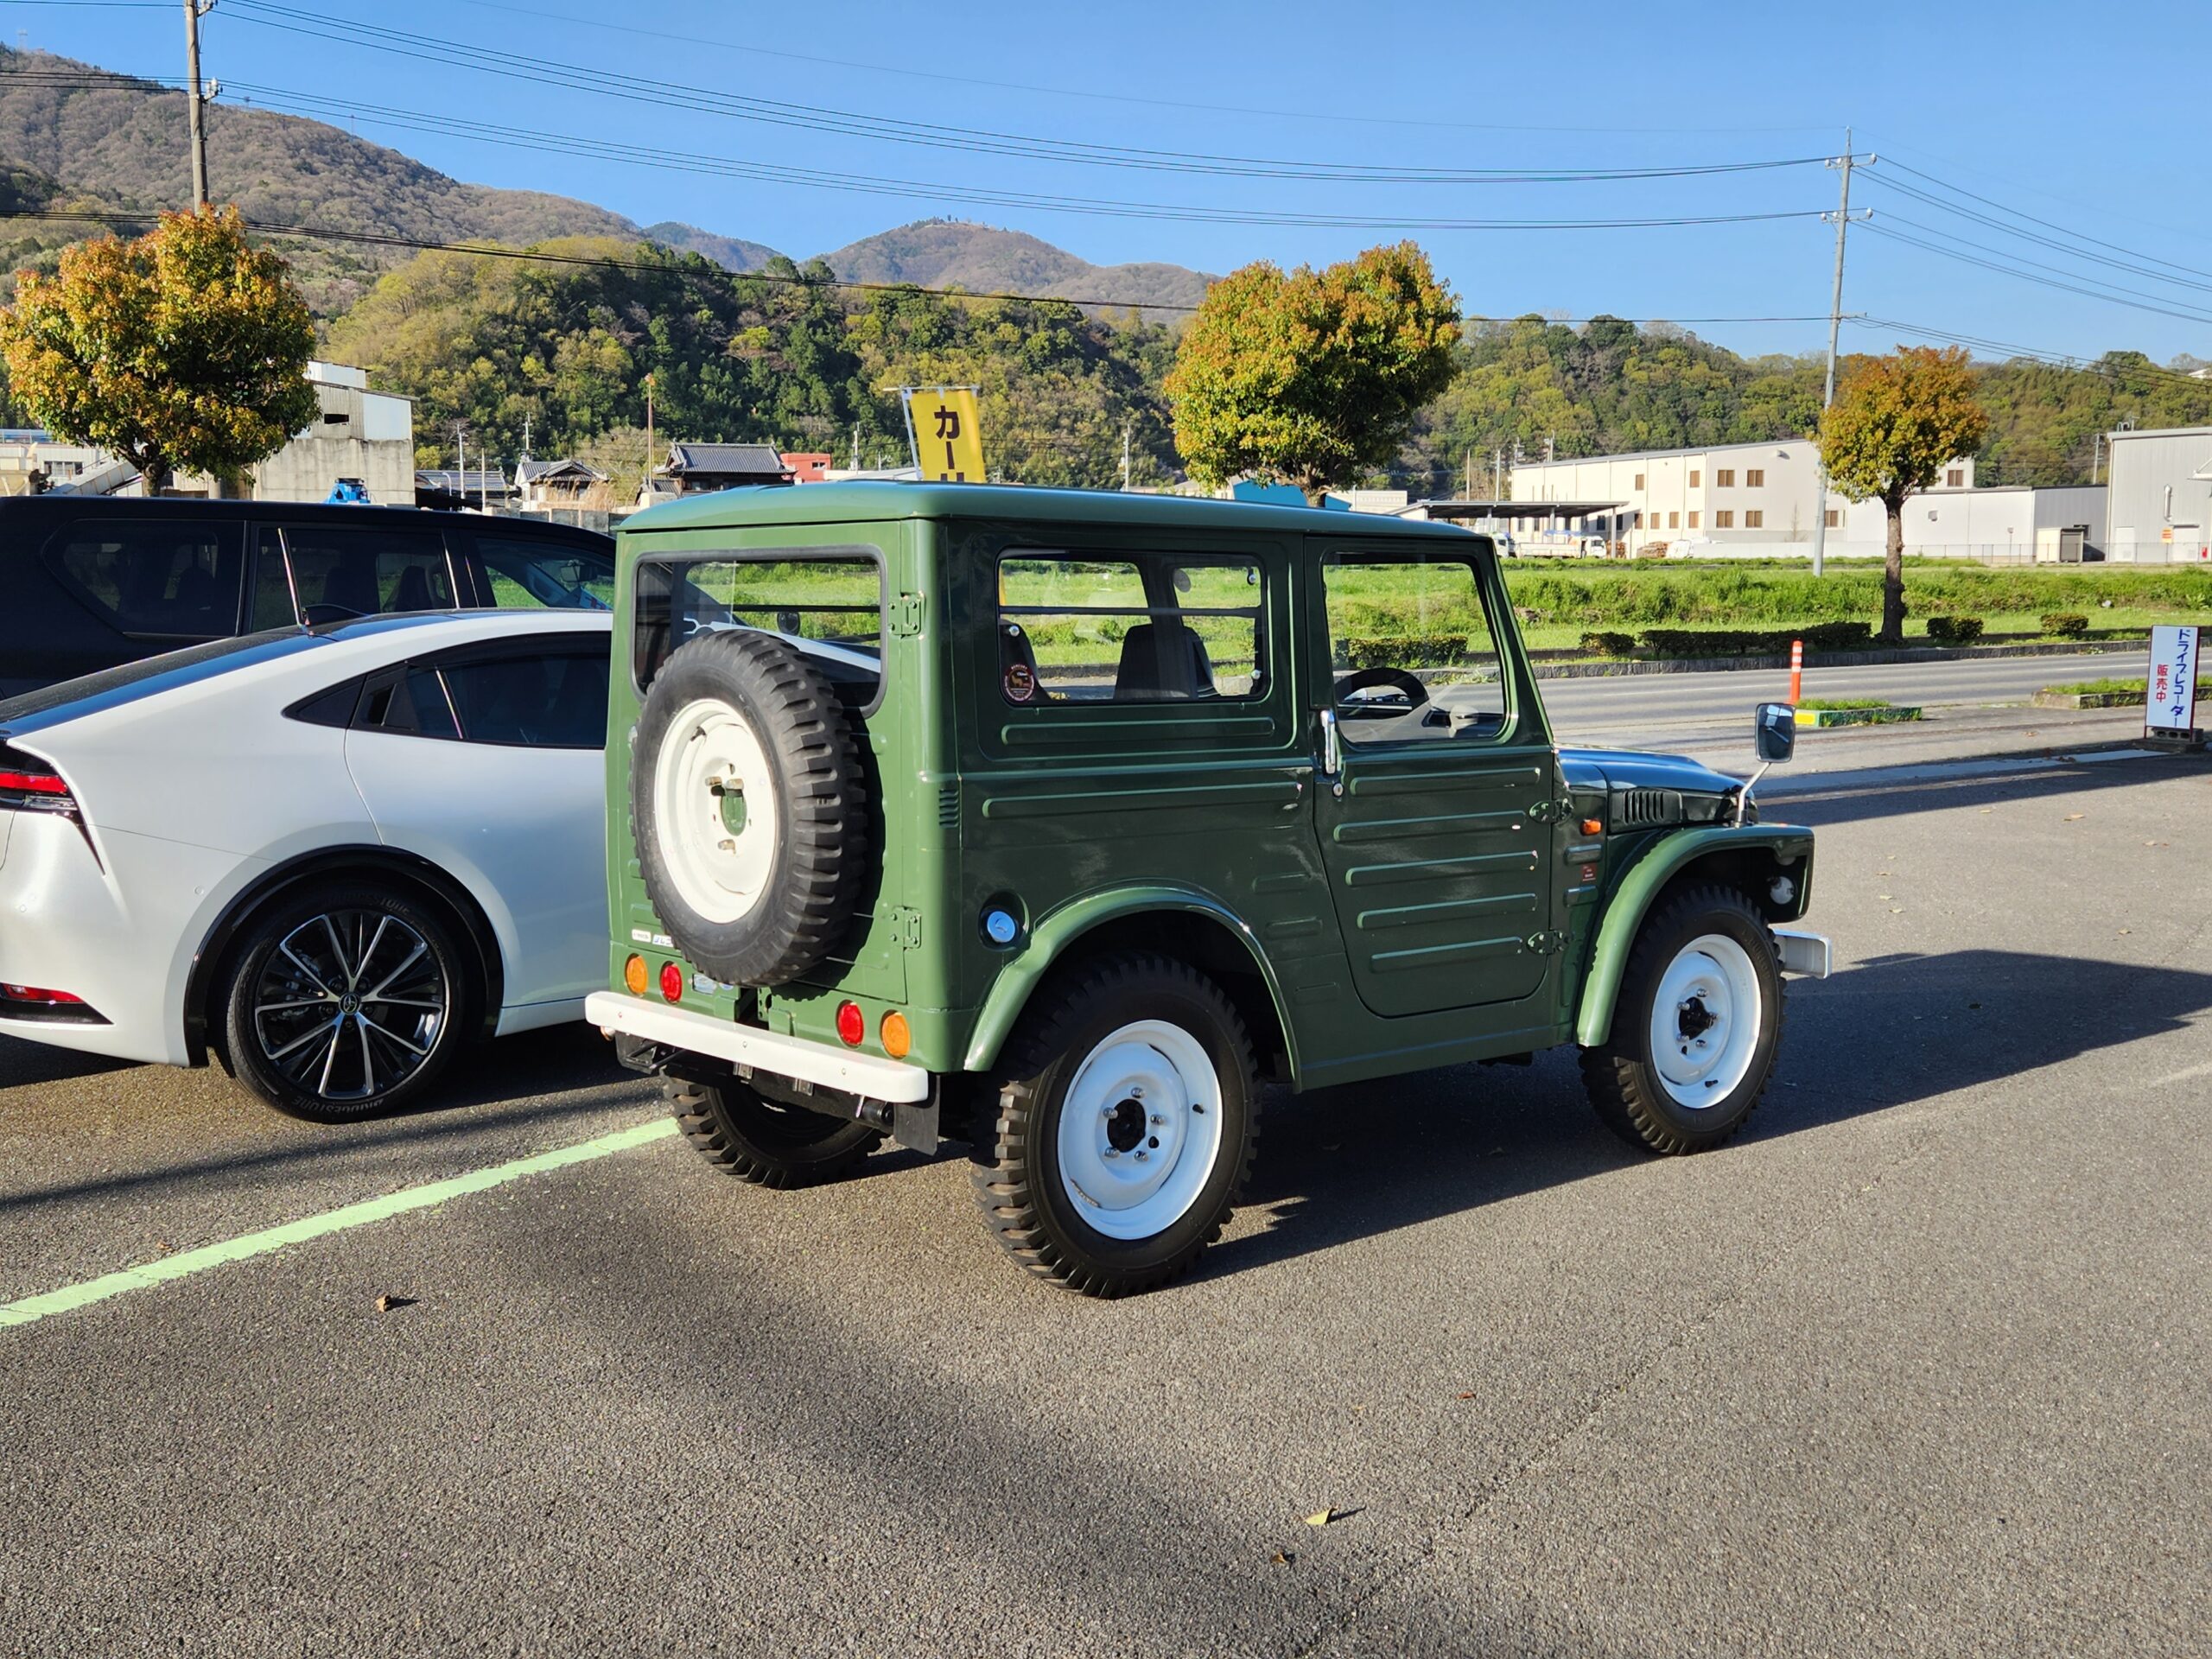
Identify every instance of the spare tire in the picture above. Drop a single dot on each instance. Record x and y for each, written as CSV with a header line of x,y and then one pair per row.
x,y
748,806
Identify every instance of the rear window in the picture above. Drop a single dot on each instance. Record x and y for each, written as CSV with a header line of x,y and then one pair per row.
x,y
829,606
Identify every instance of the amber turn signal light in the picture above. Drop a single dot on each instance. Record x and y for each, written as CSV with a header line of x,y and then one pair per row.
x,y
634,976
897,1039
1593,826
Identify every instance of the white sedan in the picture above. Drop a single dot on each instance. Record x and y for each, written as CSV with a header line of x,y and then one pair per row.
x,y
330,855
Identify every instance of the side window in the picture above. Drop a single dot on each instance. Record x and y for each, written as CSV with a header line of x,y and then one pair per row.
x,y
166,581
1410,648
339,572
525,576
1153,628
554,702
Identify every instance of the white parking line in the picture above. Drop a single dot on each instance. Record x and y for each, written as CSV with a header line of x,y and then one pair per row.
x,y
70,1298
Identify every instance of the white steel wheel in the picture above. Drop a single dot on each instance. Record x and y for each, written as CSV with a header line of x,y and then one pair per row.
x,y
1139,1130
715,809
1705,1021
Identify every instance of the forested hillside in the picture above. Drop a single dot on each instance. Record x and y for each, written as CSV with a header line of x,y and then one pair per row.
x,y
784,355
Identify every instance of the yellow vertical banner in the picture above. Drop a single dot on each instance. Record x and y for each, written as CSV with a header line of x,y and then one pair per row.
x,y
947,432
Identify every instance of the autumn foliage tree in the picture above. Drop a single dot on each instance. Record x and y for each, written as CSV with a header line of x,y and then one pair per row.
x,y
1896,423
1313,377
184,350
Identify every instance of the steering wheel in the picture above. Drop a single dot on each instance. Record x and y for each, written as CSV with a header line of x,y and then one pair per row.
x,y
1368,679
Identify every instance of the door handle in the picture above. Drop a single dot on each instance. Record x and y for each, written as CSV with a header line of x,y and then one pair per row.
x,y
1332,754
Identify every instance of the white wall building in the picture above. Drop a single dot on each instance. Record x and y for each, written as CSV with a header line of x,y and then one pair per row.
x,y
2159,510
356,433
1745,499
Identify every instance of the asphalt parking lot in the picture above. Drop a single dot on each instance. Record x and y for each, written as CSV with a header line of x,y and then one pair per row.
x,y
1918,1364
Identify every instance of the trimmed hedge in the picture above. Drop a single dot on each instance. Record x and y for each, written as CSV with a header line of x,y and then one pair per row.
x,y
1608,644
1756,642
1954,629
2067,624
1406,650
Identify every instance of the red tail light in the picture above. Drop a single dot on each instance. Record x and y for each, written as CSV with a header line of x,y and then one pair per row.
x,y
29,785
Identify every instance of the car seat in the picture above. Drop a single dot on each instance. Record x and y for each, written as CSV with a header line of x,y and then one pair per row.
x,y
413,593
1163,662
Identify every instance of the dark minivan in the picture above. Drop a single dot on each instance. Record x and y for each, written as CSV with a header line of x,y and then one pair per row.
x,y
89,581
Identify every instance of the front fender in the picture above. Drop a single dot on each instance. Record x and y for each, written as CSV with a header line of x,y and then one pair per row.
x,y
1631,898
1052,937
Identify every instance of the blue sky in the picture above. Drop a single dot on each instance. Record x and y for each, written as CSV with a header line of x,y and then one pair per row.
x,y
2081,117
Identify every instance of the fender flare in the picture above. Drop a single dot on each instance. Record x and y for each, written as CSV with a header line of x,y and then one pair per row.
x,y
1052,936
1633,896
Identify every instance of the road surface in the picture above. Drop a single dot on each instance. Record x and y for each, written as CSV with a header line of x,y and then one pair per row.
x,y
1914,1366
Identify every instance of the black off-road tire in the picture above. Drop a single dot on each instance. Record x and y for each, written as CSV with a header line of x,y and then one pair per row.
x,y
1017,1178
820,801
744,1135
1624,1088
256,955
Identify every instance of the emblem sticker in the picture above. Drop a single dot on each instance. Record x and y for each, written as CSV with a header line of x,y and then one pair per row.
x,y
1020,682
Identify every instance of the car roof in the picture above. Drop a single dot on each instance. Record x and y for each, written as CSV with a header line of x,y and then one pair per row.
x,y
150,677
59,505
876,500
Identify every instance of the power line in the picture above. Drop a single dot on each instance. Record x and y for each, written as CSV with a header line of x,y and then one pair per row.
x,y
600,81
2054,360
2109,298
1997,224
2046,224
2036,264
321,106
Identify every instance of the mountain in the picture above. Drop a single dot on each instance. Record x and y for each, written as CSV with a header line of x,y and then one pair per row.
x,y
949,252
730,252
74,135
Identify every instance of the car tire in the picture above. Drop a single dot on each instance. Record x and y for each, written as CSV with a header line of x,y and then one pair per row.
x,y
345,1002
1125,1128
744,1133
1695,1028
751,896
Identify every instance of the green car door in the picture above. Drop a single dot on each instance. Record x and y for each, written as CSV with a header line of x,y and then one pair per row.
x,y
1436,804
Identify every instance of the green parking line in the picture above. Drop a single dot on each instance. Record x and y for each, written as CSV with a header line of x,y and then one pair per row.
x,y
70,1298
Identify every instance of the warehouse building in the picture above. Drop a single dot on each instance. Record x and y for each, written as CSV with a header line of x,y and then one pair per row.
x,y
2158,507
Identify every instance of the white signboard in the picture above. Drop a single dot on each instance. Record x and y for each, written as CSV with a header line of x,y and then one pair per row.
x,y
2169,705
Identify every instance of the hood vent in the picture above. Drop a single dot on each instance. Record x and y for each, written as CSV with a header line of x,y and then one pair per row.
x,y
1635,809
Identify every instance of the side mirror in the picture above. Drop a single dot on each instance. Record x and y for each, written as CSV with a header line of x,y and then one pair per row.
x,y
1775,733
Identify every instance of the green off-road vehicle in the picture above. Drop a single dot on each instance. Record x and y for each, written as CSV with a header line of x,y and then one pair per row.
x,y
1057,822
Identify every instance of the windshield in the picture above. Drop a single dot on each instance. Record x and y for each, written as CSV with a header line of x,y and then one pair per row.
x,y
528,576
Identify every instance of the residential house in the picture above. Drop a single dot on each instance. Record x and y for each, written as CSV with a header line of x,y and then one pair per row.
x,y
695,467
568,484
807,465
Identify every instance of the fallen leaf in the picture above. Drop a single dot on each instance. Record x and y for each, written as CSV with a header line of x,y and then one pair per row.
x,y
2071,816
1283,1557
2158,843
2127,929
1883,896
387,1302
1896,910
1320,1517
1989,809
1469,1394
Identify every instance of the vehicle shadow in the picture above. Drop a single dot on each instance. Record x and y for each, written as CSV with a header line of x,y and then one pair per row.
x,y
1846,798
1351,1162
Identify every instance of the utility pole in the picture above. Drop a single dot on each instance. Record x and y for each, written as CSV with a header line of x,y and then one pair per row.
x,y
1835,323
460,462
196,100
1125,457
648,484
525,437
1496,474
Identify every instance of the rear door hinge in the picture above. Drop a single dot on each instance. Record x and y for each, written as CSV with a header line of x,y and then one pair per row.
x,y
906,614
1546,945
905,926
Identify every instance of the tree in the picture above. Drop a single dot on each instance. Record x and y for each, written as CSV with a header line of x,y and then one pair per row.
x,y
1314,376
184,350
1895,423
